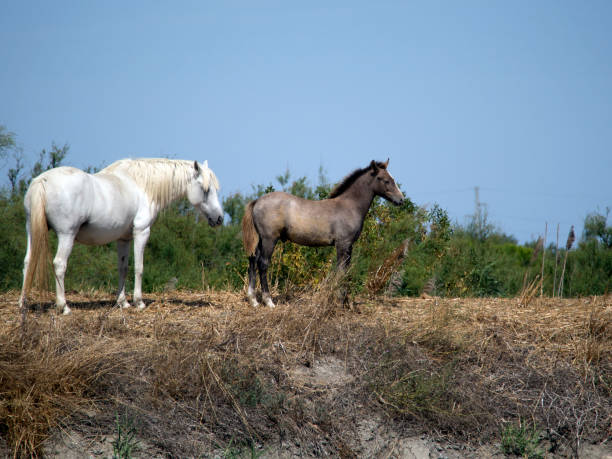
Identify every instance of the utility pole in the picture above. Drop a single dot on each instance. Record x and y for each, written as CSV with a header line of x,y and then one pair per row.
x,y
477,212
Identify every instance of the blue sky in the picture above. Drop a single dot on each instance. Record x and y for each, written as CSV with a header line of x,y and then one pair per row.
x,y
514,97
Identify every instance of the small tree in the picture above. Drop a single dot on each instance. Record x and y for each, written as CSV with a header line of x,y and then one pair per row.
x,y
7,146
14,173
7,142
49,160
595,227
234,206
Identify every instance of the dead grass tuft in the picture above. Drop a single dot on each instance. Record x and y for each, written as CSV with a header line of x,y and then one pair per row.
x,y
45,375
379,278
530,291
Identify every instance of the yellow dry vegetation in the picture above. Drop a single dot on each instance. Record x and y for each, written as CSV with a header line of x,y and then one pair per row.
x,y
209,362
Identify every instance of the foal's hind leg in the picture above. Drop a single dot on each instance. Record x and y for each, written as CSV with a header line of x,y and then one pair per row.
x,y
252,280
267,247
60,262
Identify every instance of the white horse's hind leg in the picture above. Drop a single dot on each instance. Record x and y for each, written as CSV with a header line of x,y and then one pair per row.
x,y
64,247
123,255
140,240
26,262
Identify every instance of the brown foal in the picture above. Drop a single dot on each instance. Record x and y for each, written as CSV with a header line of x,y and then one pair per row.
x,y
335,221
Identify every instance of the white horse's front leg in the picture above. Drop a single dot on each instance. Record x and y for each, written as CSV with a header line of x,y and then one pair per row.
x,y
123,255
140,240
64,247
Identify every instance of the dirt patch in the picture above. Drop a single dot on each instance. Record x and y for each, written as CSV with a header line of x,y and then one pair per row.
x,y
75,445
325,373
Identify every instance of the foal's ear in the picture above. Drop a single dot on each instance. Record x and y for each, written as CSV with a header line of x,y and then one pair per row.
x,y
374,167
385,164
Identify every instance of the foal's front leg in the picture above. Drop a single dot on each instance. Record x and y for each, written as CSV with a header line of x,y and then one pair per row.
x,y
343,256
140,240
343,260
123,255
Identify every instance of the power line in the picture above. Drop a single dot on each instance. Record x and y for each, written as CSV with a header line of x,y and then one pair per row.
x,y
543,193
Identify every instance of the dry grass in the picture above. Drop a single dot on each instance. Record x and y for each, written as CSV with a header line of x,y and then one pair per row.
x,y
378,278
529,291
200,370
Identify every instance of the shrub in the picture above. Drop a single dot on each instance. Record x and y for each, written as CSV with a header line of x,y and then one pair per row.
x,y
521,441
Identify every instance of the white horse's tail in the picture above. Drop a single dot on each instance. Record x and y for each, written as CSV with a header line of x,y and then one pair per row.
x,y
36,272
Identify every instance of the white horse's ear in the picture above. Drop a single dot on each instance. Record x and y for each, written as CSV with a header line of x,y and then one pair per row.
x,y
206,180
205,164
196,166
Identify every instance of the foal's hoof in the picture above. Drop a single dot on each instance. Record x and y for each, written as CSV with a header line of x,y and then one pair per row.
x,y
252,298
253,302
270,303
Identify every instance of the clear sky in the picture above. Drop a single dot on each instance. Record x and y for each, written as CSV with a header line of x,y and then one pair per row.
x,y
514,97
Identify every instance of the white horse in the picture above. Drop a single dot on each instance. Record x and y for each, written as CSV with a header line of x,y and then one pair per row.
x,y
119,203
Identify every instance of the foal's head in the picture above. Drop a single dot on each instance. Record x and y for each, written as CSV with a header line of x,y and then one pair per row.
x,y
384,185
202,193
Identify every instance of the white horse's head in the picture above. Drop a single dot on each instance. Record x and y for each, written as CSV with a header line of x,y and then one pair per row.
x,y
202,193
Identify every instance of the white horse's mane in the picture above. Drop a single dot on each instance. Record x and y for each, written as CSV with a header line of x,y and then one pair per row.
x,y
163,180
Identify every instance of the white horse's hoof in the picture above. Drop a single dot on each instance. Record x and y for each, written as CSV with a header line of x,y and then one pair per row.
x,y
124,305
141,306
64,310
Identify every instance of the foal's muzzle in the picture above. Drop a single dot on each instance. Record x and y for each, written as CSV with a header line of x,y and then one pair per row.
x,y
398,201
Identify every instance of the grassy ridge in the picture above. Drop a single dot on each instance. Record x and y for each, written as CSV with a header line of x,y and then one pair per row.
x,y
199,371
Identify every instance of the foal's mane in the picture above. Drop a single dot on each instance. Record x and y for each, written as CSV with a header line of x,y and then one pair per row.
x,y
163,180
346,183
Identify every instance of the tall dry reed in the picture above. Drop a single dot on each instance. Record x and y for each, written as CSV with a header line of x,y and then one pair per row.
x,y
568,245
554,290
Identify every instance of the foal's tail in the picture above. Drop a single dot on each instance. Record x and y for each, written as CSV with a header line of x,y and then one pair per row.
x,y
36,270
250,237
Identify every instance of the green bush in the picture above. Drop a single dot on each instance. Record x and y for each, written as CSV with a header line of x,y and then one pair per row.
x,y
12,241
474,260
